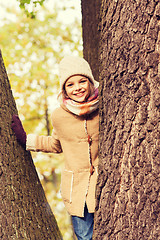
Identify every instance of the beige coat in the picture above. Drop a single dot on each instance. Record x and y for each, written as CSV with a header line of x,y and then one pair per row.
x,y
69,137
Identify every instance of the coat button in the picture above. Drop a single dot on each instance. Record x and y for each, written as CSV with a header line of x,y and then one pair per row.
x,y
89,140
91,169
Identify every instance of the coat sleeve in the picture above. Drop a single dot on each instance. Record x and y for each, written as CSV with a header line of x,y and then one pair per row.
x,y
44,143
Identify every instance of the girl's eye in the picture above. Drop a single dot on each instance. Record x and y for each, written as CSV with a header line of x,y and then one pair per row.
x,y
83,81
69,85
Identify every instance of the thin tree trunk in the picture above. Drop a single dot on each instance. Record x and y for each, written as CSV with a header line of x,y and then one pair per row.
x,y
47,126
128,189
24,211
90,21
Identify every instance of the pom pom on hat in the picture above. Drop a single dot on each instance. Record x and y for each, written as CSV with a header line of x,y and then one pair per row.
x,y
71,65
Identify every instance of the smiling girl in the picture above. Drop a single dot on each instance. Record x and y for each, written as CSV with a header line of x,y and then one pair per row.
x,y
77,88
75,133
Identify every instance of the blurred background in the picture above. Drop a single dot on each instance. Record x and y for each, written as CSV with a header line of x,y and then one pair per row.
x,y
33,40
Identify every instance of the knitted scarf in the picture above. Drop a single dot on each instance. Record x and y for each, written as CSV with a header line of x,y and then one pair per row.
x,y
82,108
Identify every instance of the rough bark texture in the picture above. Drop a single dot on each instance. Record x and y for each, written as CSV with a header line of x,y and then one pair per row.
x,y
90,21
24,211
128,189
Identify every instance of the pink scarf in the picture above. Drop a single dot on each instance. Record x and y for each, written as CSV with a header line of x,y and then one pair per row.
x,y
82,108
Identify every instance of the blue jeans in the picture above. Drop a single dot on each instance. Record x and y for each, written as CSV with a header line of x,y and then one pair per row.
x,y
83,226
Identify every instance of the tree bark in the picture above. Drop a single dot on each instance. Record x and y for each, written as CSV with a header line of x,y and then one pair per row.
x,y
90,32
128,188
24,211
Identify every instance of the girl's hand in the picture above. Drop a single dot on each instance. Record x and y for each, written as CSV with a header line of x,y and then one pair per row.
x,y
19,130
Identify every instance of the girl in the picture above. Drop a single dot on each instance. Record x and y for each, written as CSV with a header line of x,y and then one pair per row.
x,y
75,133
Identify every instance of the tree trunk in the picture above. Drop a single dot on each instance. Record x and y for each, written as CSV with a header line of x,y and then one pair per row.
x,y
128,188
24,211
90,21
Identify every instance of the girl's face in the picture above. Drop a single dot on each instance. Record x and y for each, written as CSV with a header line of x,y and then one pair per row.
x,y
78,88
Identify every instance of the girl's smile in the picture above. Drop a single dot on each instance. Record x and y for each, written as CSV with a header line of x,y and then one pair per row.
x,y
78,88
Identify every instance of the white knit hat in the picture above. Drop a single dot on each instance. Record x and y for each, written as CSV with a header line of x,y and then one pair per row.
x,y
70,66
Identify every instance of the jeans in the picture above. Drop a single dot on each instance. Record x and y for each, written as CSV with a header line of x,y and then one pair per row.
x,y
83,226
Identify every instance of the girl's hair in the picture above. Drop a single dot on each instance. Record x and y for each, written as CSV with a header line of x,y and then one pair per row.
x,y
91,85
